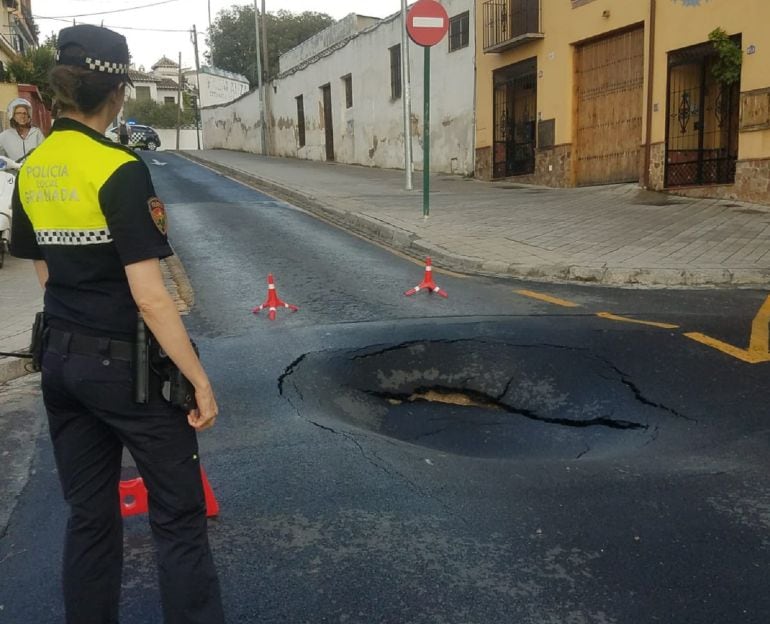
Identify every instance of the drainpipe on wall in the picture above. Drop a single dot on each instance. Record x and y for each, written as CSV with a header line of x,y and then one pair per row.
x,y
407,99
650,94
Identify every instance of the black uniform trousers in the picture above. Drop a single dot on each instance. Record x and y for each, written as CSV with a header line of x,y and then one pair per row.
x,y
88,396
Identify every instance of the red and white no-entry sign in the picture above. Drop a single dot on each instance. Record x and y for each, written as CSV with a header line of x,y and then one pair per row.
x,y
427,22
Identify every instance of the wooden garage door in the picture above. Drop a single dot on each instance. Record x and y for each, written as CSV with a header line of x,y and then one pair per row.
x,y
610,82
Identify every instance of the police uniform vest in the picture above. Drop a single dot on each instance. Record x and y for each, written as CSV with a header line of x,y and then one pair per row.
x,y
87,206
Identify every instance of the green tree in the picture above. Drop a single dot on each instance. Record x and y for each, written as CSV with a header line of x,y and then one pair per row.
x,y
51,40
232,38
150,113
33,68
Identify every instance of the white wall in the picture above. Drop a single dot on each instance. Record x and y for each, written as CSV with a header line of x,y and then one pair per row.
x,y
219,89
172,93
371,132
187,140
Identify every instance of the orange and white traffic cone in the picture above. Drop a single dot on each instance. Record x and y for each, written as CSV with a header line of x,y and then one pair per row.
x,y
272,302
427,282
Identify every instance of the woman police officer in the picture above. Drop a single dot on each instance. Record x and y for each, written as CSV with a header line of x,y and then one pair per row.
x,y
85,211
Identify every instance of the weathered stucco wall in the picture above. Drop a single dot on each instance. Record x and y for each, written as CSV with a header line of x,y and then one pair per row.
x,y
344,28
371,132
233,126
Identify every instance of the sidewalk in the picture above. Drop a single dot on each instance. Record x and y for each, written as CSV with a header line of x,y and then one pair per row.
x,y
619,234
21,297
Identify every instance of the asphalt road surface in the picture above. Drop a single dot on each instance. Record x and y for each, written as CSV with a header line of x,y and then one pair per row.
x,y
492,457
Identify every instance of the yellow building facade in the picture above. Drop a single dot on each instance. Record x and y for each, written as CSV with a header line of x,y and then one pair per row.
x,y
580,92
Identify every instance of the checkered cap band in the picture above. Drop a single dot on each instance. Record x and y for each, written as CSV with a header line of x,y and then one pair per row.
x,y
97,65
106,66
73,237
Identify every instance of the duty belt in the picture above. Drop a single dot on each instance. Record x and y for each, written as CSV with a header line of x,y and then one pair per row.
x,y
67,342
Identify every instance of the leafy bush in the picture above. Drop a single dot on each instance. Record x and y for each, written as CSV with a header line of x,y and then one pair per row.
x,y
150,113
727,69
33,68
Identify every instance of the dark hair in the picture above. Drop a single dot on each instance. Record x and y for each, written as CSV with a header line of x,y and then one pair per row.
x,y
82,90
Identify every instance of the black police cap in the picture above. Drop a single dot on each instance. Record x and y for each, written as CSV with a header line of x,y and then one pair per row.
x,y
95,48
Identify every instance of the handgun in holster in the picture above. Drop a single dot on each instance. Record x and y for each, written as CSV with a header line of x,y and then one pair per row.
x,y
37,342
149,356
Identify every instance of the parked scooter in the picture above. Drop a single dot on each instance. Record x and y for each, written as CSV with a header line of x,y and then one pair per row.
x,y
8,170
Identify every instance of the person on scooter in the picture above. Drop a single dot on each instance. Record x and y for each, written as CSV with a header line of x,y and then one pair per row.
x,y
22,137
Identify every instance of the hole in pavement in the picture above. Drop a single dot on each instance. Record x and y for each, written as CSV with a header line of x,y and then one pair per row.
x,y
481,398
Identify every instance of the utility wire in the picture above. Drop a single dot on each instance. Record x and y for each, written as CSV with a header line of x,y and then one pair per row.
x,y
144,6
169,30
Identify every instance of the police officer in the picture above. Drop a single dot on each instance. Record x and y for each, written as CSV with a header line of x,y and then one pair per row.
x,y
86,212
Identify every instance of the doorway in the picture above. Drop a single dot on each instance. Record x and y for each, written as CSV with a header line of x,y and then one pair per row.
x,y
515,119
609,75
702,121
328,116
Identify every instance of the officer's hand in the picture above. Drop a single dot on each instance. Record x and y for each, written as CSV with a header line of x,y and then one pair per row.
x,y
205,414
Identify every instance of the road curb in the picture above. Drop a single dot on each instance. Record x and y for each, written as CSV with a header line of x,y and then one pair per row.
x,y
412,245
13,368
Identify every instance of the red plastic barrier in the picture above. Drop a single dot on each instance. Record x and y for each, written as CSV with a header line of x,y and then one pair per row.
x,y
133,497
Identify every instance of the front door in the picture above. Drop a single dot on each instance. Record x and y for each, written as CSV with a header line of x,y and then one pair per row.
x,y
515,114
327,91
610,82
702,123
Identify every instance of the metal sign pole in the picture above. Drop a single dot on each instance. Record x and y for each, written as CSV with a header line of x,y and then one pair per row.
x,y
426,139
427,24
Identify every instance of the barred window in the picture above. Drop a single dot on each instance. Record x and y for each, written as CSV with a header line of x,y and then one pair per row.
x,y
348,80
459,27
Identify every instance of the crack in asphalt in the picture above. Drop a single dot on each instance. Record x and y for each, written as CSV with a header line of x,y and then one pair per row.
x,y
288,371
584,452
639,395
378,462
406,345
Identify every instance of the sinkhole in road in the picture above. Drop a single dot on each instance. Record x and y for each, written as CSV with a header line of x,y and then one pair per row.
x,y
477,397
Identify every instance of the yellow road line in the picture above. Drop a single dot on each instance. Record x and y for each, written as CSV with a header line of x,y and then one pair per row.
x,y
744,355
547,298
625,319
758,341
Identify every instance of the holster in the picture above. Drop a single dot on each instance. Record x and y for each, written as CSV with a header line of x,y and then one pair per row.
x,y
149,356
37,341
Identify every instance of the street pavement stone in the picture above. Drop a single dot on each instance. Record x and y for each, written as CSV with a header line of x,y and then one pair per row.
x,y
619,234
